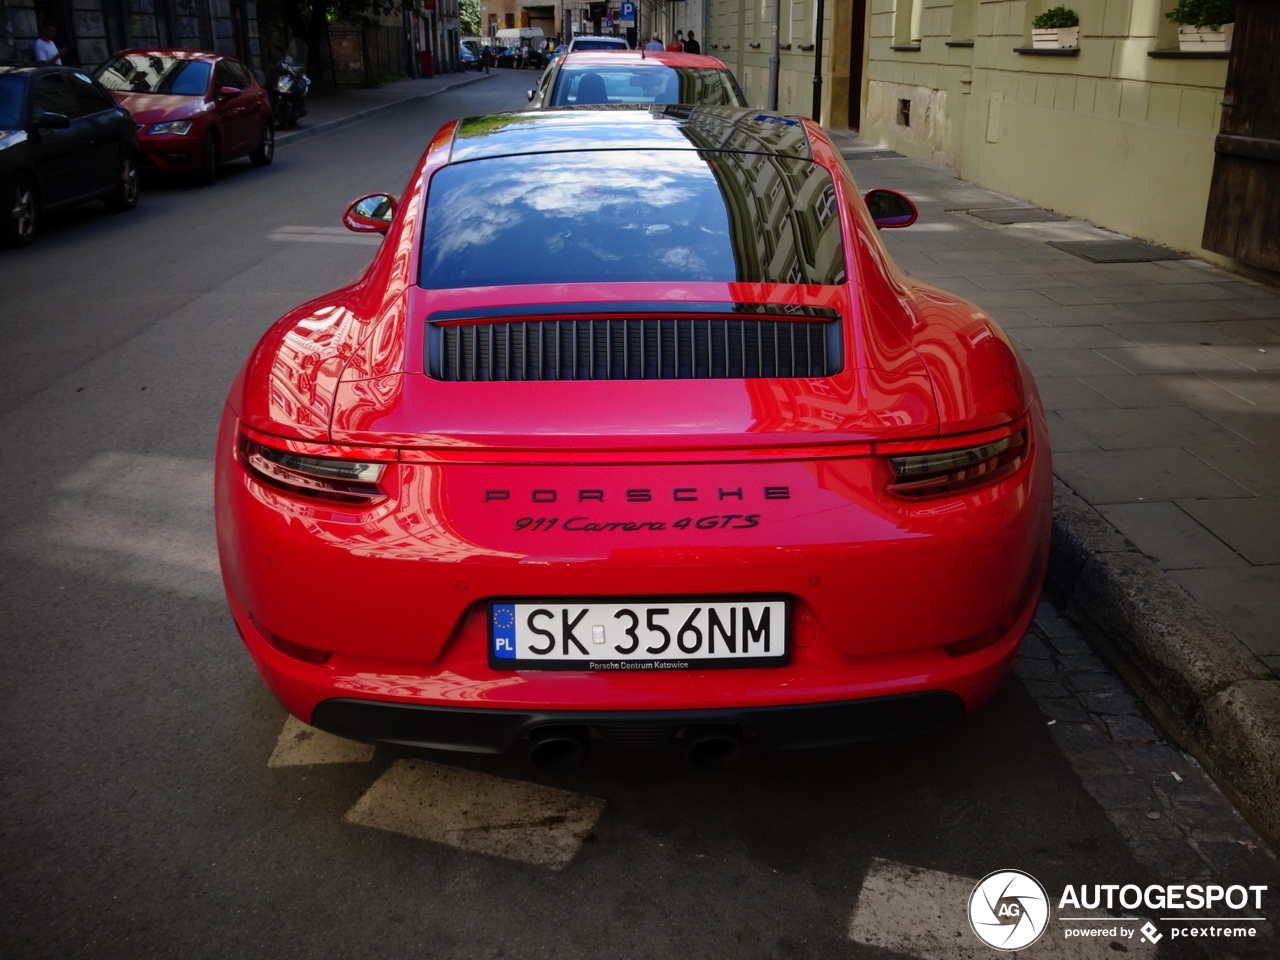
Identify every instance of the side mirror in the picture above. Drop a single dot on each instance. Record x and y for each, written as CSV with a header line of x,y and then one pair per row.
x,y
52,121
889,208
227,93
371,214
532,94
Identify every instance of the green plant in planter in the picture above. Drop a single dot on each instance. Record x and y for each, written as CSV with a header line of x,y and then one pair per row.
x,y
1065,17
1203,13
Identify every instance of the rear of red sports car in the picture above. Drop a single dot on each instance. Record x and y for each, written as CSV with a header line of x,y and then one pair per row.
x,y
633,430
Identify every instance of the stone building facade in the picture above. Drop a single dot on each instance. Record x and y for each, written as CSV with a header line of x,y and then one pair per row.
x,y
93,29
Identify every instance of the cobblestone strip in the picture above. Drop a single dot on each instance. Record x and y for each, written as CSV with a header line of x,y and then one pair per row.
x,y
1171,814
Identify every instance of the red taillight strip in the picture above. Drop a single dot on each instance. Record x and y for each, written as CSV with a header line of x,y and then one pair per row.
x,y
957,441
309,449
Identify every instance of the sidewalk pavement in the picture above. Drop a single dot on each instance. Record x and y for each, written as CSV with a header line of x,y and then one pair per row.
x,y
1161,382
349,105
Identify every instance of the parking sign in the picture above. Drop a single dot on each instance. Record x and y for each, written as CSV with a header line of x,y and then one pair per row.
x,y
628,13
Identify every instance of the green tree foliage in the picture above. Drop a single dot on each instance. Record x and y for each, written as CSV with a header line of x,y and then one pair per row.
x,y
469,14
1203,13
1057,17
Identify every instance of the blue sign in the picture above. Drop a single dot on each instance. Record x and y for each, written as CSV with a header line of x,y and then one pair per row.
x,y
504,631
628,12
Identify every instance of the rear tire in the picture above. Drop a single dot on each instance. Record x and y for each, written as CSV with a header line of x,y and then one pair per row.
x,y
266,151
208,174
125,196
19,211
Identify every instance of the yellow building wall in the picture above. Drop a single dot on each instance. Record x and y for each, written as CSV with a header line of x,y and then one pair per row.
x,y
740,32
1110,135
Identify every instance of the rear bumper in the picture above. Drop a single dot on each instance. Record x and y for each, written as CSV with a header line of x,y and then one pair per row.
x,y
787,727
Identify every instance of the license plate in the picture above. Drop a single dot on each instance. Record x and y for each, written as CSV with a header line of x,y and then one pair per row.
x,y
639,634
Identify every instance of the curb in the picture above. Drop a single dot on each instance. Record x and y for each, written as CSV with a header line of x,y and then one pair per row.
x,y
1202,683
303,134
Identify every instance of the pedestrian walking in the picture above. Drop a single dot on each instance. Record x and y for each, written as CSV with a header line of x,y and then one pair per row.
x,y
691,45
486,58
45,48
654,44
676,45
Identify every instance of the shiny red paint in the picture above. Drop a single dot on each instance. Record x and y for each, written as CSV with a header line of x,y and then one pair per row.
x,y
396,591
237,123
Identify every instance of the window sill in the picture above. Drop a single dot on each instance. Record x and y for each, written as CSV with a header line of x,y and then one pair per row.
x,y
959,43
806,46
784,46
1190,54
906,47
1048,51
754,46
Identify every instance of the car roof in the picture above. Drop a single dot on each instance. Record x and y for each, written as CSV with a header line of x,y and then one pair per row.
x,y
669,127
173,54
611,58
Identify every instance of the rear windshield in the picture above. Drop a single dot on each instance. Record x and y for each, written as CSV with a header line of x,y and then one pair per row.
x,y
599,45
630,215
13,90
152,73
645,83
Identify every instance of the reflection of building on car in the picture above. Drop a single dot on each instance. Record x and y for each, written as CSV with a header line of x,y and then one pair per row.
x,y
700,464
63,141
632,79
193,110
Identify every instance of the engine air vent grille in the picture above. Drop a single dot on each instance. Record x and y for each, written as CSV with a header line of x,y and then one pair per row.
x,y
695,348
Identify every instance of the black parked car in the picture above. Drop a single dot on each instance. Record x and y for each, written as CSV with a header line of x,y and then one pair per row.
x,y
63,140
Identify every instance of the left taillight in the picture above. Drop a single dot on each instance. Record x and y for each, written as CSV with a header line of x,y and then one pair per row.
x,y
315,478
937,473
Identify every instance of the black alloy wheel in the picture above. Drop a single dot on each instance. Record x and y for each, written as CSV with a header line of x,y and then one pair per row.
x,y
19,211
208,174
266,151
125,196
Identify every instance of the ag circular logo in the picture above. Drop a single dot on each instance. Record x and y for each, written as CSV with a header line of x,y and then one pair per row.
x,y
1008,910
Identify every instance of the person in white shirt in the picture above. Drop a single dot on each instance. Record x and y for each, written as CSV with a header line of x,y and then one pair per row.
x,y
654,44
45,49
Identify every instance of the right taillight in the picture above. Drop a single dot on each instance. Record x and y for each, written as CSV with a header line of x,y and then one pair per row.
x,y
935,473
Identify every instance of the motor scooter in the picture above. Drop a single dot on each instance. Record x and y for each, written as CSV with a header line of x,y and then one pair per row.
x,y
287,85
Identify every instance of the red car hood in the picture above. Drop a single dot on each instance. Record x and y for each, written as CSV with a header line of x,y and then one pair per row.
x,y
159,107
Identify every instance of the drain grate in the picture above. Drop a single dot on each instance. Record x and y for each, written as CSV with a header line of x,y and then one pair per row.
x,y
1117,251
1017,215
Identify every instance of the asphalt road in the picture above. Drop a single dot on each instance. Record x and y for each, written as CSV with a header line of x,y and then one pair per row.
x,y
138,814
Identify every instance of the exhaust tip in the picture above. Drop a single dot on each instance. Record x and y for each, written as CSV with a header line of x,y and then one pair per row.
x,y
558,749
713,747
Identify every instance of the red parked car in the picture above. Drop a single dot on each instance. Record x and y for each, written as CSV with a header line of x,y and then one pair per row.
x,y
193,110
633,431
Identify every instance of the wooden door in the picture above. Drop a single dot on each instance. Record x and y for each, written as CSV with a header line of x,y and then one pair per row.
x,y
1243,217
857,28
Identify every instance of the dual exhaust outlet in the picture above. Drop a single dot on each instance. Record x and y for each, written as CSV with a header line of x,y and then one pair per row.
x,y
706,746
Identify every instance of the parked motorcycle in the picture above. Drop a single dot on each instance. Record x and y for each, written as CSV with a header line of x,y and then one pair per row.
x,y
287,85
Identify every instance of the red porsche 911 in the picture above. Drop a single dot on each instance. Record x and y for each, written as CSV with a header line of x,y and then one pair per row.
x,y
632,431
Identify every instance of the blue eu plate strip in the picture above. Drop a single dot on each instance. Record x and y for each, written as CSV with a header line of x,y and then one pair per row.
x,y
504,631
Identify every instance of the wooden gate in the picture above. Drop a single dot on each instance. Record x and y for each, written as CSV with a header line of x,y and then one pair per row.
x,y
1243,218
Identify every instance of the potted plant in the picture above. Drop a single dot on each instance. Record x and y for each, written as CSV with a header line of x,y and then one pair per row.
x,y
1059,28
1204,25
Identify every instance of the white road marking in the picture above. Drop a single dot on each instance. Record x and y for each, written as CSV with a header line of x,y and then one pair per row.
x,y
323,235
478,812
136,517
300,745
924,914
